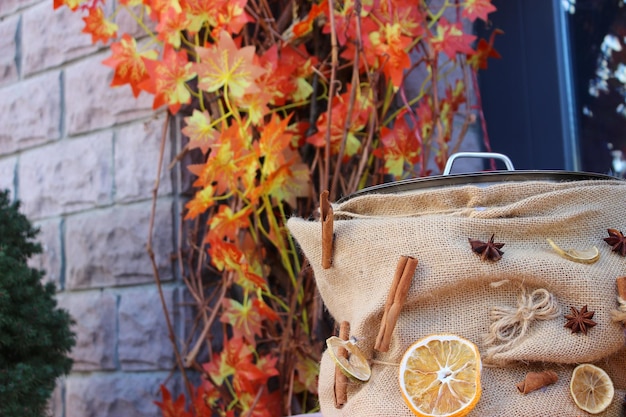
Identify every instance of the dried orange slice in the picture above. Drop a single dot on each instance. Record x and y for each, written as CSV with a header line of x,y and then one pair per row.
x,y
440,376
355,365
584,256
591,388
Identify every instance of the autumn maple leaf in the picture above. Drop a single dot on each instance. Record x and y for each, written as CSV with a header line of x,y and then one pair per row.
x,y
400,148
98,26
201,12
305,26
450,39
484,51
128,63
307,374
475,9
244,319
273,141
200,202
224,65
171,408
227,223
71,4
232,16
200,131
171,24
168,79
225,363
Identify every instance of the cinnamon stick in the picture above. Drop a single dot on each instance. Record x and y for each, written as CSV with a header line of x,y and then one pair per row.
x,y
341,380
621,287
395,301
326,213
537,380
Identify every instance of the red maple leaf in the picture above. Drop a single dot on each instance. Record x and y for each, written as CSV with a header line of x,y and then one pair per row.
x,y
71,4
98,26
450,39
484,51
244,319
400,148
171,408
232,16
201,12
168,79
224,255
128,63
273,141
475,9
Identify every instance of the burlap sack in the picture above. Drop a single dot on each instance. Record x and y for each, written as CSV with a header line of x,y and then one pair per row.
x,y
453,291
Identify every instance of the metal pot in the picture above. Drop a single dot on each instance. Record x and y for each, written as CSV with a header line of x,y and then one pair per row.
x,y
478,178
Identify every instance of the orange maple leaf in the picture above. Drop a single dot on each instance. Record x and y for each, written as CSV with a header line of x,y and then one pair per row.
x,y
97,25
168,79
128,63
200,202
200,131
273,141
224,65
305,26
227,223
225,363
202,12
171,24
450,39
232,16
475,9
244,318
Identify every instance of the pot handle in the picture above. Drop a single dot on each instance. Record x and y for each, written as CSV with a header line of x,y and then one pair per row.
x,y
484,155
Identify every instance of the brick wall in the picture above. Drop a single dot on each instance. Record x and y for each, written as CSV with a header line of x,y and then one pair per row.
x,y
82,158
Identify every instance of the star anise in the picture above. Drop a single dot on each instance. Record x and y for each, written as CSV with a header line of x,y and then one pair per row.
x,y
617,241
580,321
487,250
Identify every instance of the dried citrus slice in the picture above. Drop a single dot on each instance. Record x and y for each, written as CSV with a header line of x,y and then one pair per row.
x,y
355,365
591,388
440,376
584,256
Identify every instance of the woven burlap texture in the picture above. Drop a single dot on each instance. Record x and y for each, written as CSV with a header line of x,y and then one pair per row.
x,y
453,291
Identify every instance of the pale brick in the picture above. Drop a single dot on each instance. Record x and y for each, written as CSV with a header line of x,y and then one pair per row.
x,y
116,395
55,403
57,41
108,247
143,342
92,104
30,112
66,176
10,6
94,313
50,259
136,161
7,174
8,46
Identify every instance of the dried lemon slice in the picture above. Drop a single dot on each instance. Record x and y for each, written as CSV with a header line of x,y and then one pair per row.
x,y
591,388
440,376
355,365
585,256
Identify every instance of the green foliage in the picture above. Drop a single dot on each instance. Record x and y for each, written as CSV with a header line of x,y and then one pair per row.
x,y
35,335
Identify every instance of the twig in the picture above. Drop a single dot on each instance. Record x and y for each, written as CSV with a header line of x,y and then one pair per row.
x,y
331,92
155,269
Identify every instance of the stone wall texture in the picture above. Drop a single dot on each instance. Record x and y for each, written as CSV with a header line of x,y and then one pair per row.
x,y
82,159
